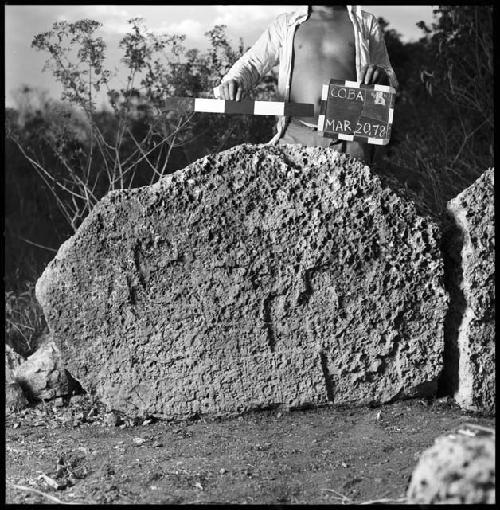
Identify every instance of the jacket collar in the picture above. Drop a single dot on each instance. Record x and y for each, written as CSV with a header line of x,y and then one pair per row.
x,y
302,13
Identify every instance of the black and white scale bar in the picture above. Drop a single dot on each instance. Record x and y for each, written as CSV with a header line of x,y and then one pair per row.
x,y
194,104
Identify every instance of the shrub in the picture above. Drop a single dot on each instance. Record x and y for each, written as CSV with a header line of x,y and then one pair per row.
x,y
24,320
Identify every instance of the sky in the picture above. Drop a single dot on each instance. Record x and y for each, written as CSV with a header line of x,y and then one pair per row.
x,y
23,64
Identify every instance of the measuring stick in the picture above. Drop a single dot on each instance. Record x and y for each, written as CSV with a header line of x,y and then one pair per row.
x,y
248,107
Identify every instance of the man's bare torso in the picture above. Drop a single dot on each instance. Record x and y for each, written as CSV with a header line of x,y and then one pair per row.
x,y
323,49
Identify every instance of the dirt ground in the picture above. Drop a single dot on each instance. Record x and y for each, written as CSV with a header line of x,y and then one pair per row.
x,y
78,453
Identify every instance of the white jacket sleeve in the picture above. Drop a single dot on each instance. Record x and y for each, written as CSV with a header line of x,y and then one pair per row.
x,y
378,52
258,60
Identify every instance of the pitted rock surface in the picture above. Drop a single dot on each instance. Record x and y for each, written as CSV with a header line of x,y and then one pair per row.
x,y
457,469
473,212
257,277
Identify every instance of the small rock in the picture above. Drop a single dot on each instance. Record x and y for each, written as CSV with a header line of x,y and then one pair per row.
x,y
344,465
12,361
77,399
139,440
55,484
264,447
457,469
158,444
223,471
474,430
66,417
43,375
444,400
15,399
111,419
59,402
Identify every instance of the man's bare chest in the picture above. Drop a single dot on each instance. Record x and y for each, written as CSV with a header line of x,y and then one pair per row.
x,y
325,41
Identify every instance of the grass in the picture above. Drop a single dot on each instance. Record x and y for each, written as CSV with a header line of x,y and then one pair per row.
x,y
24,320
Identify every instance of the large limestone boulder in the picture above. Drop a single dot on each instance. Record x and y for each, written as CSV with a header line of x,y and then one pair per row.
x,y
257,277
457,469
471,344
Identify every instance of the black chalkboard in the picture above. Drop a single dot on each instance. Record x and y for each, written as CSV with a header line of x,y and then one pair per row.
x,y
351,111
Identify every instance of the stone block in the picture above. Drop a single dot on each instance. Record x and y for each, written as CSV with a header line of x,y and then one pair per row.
x,y
471,342
261,276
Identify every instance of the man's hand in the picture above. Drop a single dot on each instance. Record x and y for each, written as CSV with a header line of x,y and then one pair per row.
x,y
231,90
372,74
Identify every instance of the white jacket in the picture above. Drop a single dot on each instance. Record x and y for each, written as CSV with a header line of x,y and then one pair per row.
x,y
275,46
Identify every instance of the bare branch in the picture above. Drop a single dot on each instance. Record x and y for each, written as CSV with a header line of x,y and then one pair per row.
x,y
34,244
37,166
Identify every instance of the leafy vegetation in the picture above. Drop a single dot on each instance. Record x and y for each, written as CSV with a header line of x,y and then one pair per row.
x,y
443,128
70,153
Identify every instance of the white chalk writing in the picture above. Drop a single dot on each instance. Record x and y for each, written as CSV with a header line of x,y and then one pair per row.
x,y
346,93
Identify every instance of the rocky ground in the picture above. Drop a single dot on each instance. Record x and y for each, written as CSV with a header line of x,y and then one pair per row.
x,y
77,452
